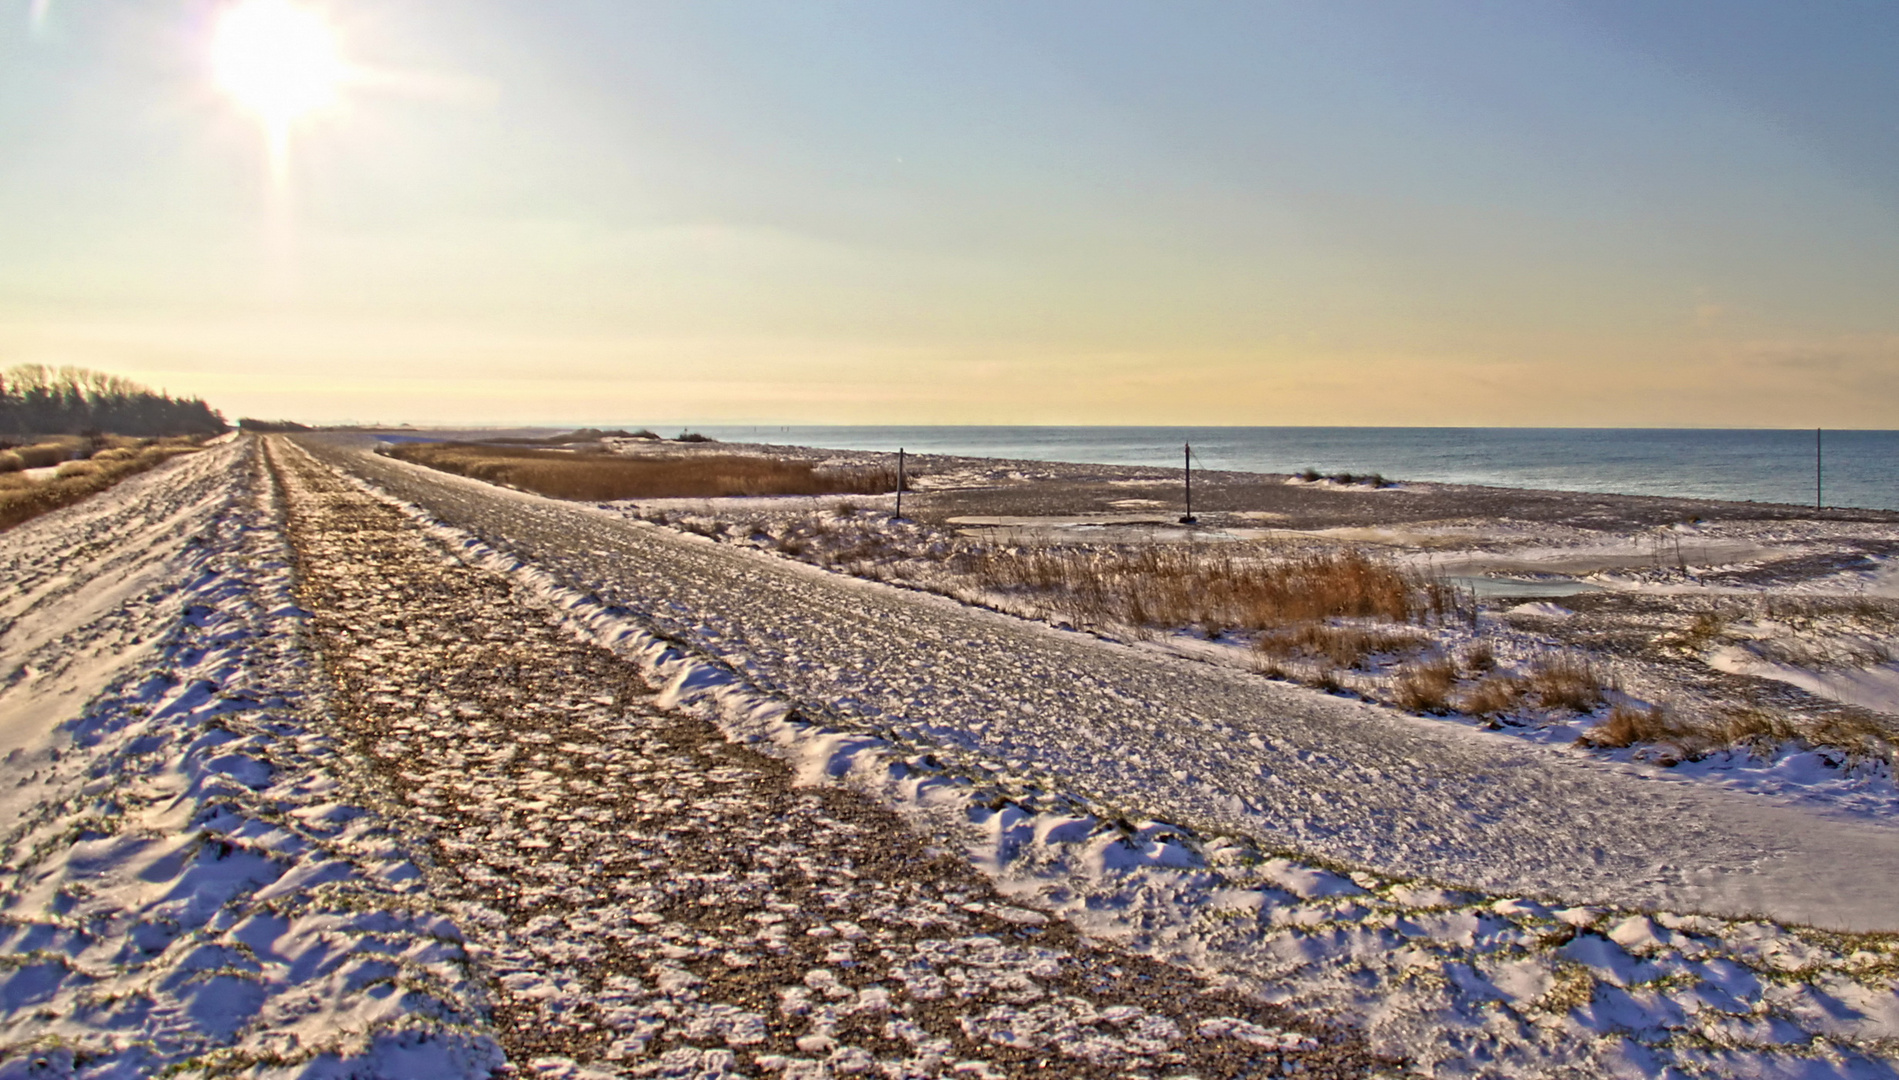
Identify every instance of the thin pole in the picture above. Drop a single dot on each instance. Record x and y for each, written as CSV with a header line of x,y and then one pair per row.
x,y
1186,472
899,482
1817,490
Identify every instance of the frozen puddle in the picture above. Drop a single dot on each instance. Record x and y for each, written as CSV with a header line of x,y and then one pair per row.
x,y
1487,587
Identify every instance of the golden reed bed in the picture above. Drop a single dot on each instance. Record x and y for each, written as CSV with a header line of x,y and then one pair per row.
x,y
597,476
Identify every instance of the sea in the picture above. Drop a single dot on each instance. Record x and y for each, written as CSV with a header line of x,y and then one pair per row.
x,y
1857,469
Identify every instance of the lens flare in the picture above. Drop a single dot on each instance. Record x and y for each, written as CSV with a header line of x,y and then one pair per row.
x,y
278,60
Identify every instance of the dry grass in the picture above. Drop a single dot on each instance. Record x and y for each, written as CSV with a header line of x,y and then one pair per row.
x,y
22,500
1806,609
1565,681
1562,681
42,454
1493,697
1752,728
1478,658
1704,630
1232,587
1341,646
602,477
1627,725
1862,739
1426,687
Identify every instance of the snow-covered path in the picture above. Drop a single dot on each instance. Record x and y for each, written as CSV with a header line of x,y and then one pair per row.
x,y
189,878
1147,735
651,900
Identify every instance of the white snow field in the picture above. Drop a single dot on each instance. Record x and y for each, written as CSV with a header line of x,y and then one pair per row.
x,y
1477,904
204,873
183,883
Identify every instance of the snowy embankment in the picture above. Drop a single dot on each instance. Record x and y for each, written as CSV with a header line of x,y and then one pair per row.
x,y
652,900
185,885
1461,982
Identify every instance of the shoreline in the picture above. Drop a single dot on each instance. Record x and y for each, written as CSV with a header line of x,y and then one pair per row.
x,y
813,451
1228,491
1773,466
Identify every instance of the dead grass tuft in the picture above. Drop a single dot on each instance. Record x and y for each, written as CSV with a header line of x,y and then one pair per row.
x,y
40,455
1341,646
602,477
1627,725
1565,681
1756,726
1478,658
1495,696
1861,738
1801,610
1271,669
1426,687
1704,630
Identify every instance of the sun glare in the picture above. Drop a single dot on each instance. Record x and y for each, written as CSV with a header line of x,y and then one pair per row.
x,y
279,60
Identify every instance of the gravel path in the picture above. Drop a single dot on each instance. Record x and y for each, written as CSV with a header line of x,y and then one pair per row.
x,y
651,900
1147,735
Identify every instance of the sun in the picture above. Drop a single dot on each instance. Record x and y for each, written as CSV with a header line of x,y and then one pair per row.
x,y
279,60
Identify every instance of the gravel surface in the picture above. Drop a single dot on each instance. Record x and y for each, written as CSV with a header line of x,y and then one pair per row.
x,y
1148,736
651,900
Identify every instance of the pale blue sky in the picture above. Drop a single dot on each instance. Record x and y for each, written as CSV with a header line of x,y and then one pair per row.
x,y
1164,212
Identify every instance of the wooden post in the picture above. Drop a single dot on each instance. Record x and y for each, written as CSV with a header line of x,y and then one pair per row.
x,y
899,483
1818,503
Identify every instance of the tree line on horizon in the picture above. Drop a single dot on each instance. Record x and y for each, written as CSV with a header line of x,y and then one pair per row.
x,y
39,400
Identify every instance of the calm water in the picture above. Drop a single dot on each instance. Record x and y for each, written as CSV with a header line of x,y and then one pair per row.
x,y
1861,467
